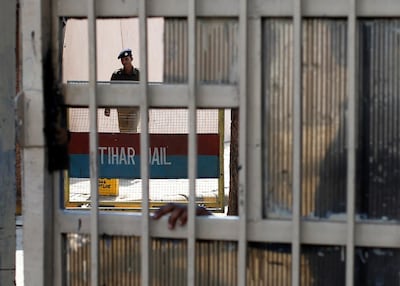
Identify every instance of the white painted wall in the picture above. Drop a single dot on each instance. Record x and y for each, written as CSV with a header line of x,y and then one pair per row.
x,y
113,35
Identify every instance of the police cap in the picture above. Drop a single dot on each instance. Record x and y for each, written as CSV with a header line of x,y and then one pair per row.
x,y
125,53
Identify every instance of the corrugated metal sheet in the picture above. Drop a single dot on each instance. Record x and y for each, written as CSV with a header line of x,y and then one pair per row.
x,y
372,266
216,263
325,96
324,91
217,50
324,123
277,49
120,261
379,119
378,158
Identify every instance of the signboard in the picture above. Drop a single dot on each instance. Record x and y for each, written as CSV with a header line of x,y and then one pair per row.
x,y
108,187
119,155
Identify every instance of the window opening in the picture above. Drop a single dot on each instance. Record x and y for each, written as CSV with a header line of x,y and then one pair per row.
x,y
216,61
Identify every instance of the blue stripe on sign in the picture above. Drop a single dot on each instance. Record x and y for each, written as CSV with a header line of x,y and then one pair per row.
x,y
174,167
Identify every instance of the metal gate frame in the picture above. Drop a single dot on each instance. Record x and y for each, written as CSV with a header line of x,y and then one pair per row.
x,y
45,220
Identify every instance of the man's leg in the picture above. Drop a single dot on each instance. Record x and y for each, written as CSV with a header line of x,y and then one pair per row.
x,y
128,119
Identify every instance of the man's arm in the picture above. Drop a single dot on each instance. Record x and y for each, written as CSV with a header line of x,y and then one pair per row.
x,y
178,212
136,74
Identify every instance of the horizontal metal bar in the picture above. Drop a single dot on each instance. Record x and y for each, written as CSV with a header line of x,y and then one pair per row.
x,y
230,8
156,8
160,95
209,8
118,223
313,232
326,8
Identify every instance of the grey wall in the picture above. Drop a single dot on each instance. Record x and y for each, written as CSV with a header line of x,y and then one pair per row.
x,y
7,142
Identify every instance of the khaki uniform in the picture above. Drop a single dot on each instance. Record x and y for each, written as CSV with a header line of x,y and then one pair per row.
x,y
128,117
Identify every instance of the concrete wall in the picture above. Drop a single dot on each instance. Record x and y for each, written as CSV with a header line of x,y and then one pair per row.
x,y
7,142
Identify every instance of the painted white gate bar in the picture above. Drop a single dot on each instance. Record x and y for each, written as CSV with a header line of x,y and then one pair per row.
x,y
351,139
242,160
297,140
93,139
192,148
144,146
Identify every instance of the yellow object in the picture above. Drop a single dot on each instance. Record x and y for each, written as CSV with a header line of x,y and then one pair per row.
x,y
108,187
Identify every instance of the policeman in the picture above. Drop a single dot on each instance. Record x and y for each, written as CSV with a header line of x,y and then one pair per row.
x,y
128,117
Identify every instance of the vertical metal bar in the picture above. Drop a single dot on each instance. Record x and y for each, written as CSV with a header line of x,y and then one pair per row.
x,y
192,162
351,140
94,212
60,269
297,140
254,103
242,198
144,146
221,180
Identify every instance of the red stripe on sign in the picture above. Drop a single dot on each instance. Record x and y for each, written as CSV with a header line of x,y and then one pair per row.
x,y
177,144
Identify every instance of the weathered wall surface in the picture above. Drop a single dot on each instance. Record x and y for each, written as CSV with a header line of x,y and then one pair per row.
x,y
7,143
